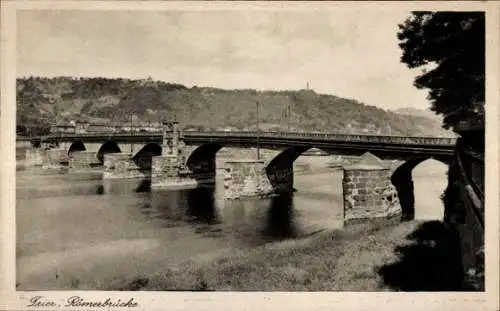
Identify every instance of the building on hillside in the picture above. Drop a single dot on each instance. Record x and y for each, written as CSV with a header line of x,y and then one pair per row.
x,y
226,129
143,127
86,127
100,128
62,128
81,127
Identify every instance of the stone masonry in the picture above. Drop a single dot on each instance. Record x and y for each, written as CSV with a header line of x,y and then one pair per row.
x,y
169,170
246,178
82,160
55,159
121,165
34,156
368,191
282,179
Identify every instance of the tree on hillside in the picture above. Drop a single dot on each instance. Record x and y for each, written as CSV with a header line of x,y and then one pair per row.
x,y
454,44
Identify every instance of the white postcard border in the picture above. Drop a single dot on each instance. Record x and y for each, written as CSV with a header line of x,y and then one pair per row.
x,y
12,300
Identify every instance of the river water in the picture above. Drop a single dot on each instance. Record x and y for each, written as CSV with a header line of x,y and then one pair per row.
x,y
78,231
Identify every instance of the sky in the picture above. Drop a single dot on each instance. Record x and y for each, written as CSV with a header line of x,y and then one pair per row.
x,y
347,53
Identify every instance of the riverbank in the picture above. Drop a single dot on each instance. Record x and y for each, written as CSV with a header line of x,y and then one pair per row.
x,y
374,256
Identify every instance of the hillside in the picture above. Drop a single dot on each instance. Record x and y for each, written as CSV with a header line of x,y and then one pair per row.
x,y
43,101
417,113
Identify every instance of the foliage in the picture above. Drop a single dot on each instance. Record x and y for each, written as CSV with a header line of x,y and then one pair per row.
x,y
32,115
43,101
453,42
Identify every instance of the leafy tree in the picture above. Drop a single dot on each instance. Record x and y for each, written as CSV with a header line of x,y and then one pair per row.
x,y
454,44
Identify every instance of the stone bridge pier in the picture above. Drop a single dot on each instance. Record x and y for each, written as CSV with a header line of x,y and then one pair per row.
x,y
121,166
271,174
48,156
371,189
125,165
83,160
244,175
169,169
246,178
181,165
55,159
368,191
73,155
34,156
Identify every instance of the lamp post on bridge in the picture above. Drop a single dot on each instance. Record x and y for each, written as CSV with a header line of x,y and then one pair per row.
x,y
258,131
289,116
131,129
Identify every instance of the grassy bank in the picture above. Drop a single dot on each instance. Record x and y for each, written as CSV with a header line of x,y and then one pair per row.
x,y
362,257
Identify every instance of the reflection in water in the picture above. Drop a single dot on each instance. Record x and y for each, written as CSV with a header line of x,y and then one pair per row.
x,y
256,219
259,221
270,219
84,225
123,187
194,206
280,224
201,205
99,189
80,225
168,205
144,186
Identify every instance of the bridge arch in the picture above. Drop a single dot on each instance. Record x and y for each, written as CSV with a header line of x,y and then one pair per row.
x,y
403,181
108,147
36,143
286,158
279,170
144,157
76,146
202,161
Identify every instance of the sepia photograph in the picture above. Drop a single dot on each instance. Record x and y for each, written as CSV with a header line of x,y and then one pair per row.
x,y
263,150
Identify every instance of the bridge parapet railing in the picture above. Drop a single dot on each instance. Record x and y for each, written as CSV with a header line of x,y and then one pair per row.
x,y
338,137
290,135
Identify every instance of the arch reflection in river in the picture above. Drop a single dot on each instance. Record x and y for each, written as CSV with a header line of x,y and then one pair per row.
x,y
192,205
123,187
261,220
280,218
252,220
201,205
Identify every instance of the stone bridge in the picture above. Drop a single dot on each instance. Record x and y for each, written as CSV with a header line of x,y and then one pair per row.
x,y
177,159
